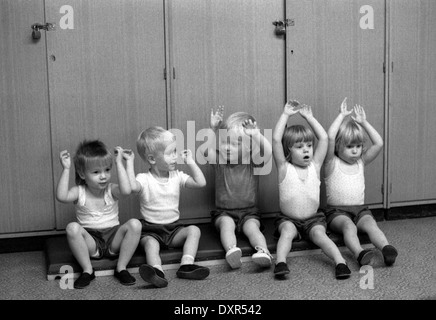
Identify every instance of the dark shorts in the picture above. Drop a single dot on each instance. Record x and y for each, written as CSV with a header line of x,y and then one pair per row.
x,y
239,216
303,226
355,213
103,239
163,233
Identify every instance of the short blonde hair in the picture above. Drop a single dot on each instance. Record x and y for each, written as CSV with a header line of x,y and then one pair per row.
x,y
349,132
294,134
153,140
235,121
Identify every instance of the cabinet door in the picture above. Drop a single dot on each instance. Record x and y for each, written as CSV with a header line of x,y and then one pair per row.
x,y
412,96
225,52
26,197
106,78
330,57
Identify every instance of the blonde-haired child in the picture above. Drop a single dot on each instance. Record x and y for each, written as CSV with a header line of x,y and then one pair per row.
x,y
345,184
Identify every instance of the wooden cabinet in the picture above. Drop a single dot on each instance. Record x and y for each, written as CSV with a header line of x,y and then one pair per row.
x,y
329,56
106,80
412,96
224,52
26,197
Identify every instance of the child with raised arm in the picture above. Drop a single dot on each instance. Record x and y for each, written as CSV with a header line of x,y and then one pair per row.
x,y
299,165
236,161
159,192
97,232
345,184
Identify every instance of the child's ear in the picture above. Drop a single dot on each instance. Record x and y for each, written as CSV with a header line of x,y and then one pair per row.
x,y
151,159
81,174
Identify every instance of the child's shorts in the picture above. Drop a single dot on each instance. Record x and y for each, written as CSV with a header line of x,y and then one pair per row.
x,y
163,233
240,216
303,226
355,213
103,239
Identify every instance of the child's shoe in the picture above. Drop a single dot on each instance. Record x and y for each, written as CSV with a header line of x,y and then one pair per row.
x,y
233,257
193,272
342,271
125,277
366,257
153,276
389,254
281,269
262,257
84,280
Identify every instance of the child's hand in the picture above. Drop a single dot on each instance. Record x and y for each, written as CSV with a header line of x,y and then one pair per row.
x,y
250,127
217,117
291,107
65,159
306,111
186,155
126,154
360,114
343,111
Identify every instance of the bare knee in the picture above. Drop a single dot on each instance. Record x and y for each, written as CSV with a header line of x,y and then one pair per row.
x,y
349,228
149,243
73,229
193,231
134,225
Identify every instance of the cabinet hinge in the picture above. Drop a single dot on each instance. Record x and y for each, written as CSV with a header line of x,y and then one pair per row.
x,y
384,67
165,73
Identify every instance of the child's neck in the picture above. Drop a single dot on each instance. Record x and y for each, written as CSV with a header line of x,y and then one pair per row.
x,y
97,193
161,175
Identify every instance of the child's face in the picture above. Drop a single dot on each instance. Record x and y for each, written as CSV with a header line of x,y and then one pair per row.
x,y
166,158
233,147
350,153
302,153
97,176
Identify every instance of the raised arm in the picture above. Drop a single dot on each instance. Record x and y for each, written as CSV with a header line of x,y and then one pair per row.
x,y
289,109
260,145
376,139
334,128
321,149
197,179
123,186
130,169
215,120
63,194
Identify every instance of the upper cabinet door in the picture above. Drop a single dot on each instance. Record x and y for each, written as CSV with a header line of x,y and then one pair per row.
x,y
225,52
412,96
336,49
106,78
26,197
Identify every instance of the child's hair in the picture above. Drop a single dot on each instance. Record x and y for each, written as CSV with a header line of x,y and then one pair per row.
x,y
235,121
152,140
349,133
89,153
294,134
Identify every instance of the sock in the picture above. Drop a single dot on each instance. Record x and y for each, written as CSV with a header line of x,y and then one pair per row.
x,y
159,267
187,259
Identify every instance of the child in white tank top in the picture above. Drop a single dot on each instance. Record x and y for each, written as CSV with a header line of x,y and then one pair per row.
x,y
299,166
345,184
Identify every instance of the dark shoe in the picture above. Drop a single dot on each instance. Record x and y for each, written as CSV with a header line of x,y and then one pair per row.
x,y
125,277
389,254
193,272
281,269
366,257
84,280
342,271
153,276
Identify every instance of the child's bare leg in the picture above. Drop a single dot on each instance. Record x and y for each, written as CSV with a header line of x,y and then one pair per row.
x,y
251,229
288,232
319,237
151,248
226,227
188,237
369,225
125,242
82,245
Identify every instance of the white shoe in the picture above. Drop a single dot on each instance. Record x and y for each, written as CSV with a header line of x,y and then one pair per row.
x,y
233,257
262,257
